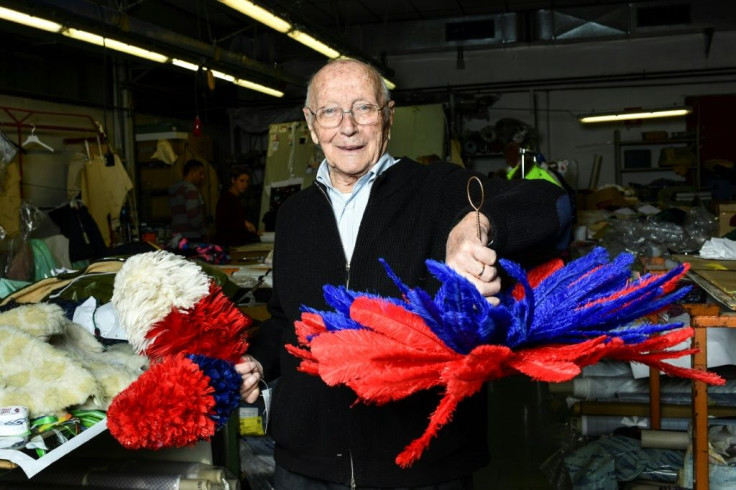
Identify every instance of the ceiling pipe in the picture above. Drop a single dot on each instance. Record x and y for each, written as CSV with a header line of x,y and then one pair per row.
x,y
91,15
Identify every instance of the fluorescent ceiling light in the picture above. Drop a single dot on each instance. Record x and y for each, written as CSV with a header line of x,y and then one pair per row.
x,y
258,87
135,51
313,43
88,37
223,76
259,13
627,116
277,23
85,36
184,64
29,20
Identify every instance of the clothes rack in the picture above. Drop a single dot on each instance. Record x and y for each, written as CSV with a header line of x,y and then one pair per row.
x,y
21,119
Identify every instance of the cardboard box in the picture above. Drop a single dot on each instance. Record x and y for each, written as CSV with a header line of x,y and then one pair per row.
x,y
726,213
653,135
156,178
605,199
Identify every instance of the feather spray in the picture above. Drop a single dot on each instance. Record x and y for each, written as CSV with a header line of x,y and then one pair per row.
x,y
556,320
176,315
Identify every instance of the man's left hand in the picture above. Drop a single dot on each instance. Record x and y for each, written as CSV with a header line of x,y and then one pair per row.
x,y
471,258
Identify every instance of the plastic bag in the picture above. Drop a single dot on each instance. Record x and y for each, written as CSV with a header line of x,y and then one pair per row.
x,y
18,261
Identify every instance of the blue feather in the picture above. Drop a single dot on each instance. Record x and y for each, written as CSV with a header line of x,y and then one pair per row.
x,y
582,300
226,383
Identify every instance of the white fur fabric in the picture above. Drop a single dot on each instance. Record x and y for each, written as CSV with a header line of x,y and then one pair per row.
x,y
50,364
36,375
40,320
113,369
149,286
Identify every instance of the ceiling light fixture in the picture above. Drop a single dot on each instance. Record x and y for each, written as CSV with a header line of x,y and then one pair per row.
x,y
184,64
29,20
223,76
630,115
258,87
312,43
88,37
260,14
91,38
263,16
283,26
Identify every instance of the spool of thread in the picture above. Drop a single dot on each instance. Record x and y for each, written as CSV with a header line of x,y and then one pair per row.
x,y
213,474
194,484
665,439
13,420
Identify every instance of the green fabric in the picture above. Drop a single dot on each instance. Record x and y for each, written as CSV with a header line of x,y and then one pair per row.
x,y
43,262
9,286
535,173
99,285
229,288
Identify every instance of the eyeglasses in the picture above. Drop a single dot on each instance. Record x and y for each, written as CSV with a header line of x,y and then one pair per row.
x,y
331,116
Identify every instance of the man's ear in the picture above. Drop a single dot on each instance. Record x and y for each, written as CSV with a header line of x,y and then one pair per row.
x,y
391,106
310,121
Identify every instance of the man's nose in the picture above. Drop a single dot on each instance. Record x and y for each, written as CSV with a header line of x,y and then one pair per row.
x,y
348,119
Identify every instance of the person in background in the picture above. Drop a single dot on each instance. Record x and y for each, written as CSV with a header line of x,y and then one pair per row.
x,y
231,226
365,205
188,215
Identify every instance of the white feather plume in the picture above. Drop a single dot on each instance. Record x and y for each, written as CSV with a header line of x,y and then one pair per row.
x,y
149,286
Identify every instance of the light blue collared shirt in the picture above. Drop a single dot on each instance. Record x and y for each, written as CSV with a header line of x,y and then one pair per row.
x,y
349,208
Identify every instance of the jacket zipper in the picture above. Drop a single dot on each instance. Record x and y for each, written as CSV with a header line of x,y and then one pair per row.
x,y
347,262
353,486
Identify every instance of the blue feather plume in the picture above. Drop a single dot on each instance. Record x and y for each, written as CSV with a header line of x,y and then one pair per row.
x,y
226,384
589,297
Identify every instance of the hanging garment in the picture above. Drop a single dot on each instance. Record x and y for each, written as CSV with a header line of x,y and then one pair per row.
x,y
104,191
74,175
10,200
76,223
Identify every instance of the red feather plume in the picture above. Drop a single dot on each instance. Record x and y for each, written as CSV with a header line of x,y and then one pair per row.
x,y
167,406
213,327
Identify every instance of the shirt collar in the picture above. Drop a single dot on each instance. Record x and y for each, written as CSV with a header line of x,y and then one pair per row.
x,y
383,163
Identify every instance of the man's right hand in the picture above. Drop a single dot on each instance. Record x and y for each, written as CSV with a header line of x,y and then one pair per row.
x,y
251,372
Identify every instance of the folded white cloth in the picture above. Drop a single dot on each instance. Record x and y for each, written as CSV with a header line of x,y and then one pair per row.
x,y
719,248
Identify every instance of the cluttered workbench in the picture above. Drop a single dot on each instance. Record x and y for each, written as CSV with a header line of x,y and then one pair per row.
x,y
718,279
250,269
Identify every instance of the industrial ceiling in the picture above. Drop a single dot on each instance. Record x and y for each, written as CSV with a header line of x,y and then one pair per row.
x,y
211,34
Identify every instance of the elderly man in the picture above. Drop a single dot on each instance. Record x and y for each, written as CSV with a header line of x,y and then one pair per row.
x,y
367,205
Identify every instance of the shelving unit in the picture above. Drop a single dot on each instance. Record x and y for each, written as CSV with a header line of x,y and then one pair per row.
x,y
154,177
693,143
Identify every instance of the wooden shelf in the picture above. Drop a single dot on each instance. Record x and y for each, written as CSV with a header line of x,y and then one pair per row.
x,y
693,174
669,141
653,169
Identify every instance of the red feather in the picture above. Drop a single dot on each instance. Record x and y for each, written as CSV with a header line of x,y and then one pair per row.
x,y
167,406
537,275
213,327
395,353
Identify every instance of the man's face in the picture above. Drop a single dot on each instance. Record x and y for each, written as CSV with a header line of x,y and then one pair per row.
x,y
350,148
199,176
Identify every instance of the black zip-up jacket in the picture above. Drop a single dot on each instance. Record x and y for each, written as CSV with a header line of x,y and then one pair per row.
x,y
318,430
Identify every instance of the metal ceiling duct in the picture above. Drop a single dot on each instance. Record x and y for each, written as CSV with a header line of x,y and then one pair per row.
x,y
543,26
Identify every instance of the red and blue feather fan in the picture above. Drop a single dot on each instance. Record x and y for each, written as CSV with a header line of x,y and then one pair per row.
x,y
556,320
